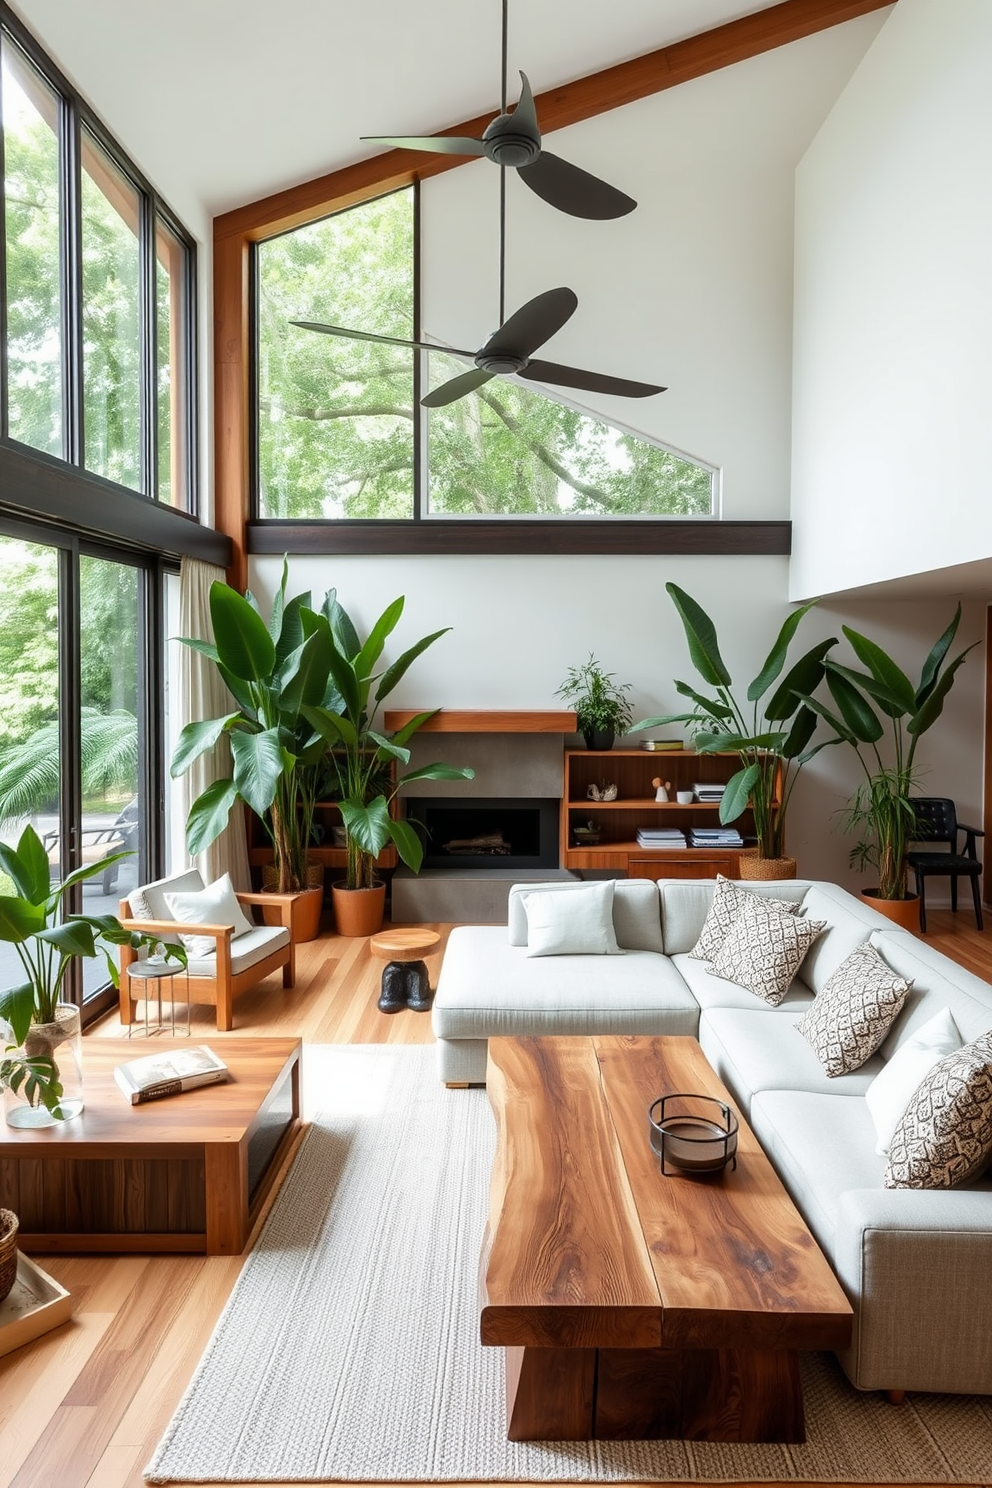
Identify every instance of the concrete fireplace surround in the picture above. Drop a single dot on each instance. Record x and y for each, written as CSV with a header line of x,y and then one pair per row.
x,y
523,765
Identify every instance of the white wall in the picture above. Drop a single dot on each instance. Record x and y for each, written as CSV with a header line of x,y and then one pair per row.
x,y
893,332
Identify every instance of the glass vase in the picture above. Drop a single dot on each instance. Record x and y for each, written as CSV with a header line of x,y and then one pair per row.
x,y
62,1042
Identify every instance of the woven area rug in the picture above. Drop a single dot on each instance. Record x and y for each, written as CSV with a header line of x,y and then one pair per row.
x,y
349,1348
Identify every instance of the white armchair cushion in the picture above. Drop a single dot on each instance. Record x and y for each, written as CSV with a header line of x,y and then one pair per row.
x,y
246,950
214,905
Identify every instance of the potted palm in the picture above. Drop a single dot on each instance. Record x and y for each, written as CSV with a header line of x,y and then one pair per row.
x,y
273,671
365,757
41,1066
880,812
772,738
601,709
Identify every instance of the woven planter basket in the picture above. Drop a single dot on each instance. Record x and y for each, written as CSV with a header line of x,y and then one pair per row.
x,y
750,866
8,1250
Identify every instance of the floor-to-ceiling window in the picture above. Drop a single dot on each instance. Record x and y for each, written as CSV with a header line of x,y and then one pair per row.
x,y
79,636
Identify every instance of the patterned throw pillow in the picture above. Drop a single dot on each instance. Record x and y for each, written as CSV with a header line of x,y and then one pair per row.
x,y
851,1016
945,1137
765,948
727,903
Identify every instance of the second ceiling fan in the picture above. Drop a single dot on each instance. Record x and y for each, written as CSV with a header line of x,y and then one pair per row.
x,y
514,140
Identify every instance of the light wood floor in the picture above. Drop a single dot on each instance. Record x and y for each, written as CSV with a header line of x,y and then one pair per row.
x,y
85,1406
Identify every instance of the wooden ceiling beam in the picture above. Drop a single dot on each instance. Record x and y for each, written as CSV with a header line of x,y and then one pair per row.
x,y
680,62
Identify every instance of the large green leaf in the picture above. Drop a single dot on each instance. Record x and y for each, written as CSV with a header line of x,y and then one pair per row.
x,y
714,707
883,669
345,680
27,866
245,694
890,702
389,747
840,728
933,662
279,605
334,727
393,674
292,634
74,938
858,714
775,660
405,734
700,634
933,704
342,628
19,919
803,729
259,765
209,814
313,667
17,1009
368,824
805,676
205,648
243,642
90,870
408,844
438,772
735,798
726,742
377,636
196,739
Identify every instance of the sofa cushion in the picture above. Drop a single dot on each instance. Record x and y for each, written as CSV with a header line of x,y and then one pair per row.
x,y
213,905
849,923
728,900
764,949
937,983
851,1016
897,1082
148,902
578,923
685,905
636,917
488,987
246,950
945,1135
763,1050
713,991
821,1146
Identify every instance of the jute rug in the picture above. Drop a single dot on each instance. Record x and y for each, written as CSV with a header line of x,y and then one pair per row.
x,y
349,1348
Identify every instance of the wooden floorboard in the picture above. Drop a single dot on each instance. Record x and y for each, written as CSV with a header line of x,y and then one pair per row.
x,y
85,1406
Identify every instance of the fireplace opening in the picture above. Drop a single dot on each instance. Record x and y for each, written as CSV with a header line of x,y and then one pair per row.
x,y
479,832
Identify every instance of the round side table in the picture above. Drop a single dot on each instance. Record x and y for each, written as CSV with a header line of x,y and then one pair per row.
x,y
405,982
147,979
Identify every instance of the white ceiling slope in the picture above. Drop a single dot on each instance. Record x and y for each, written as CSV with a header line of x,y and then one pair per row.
x,y
221,102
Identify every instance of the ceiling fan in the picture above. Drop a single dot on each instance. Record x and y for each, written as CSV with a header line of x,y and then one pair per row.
x,y
514,140
509,351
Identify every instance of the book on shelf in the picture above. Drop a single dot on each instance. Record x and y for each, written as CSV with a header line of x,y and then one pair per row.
x,y
659,745
158,1075
660,837
715,837
708,790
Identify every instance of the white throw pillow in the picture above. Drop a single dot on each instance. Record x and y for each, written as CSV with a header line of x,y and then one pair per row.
x,y
214,905
893,1087
574,922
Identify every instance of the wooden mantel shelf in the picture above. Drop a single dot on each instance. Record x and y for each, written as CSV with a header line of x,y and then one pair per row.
x,y
486,721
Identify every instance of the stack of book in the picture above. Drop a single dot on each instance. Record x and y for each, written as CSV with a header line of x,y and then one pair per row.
x,y
662,744
715,837
660,837
709,791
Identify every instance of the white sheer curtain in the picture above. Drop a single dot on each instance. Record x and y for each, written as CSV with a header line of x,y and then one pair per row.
x,y
202,695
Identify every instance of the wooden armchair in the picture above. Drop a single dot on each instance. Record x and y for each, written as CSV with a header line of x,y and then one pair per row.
x,y
238,962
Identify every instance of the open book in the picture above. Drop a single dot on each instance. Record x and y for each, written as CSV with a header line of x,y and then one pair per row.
x,y
169,1073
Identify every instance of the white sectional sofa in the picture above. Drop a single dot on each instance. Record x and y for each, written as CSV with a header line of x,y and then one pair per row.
x,y
916,1264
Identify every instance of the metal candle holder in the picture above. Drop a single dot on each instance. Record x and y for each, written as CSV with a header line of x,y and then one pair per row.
x,y
688,1141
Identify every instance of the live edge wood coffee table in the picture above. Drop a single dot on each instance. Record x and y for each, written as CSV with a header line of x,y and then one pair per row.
x,y
187,1173
632,1305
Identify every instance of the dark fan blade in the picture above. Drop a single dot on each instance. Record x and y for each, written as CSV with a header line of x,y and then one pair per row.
x,y
590,382
525,113
573,190
329,330
441,144
534,323
457,387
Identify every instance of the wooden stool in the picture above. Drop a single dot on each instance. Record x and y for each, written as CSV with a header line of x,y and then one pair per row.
x,y
405,982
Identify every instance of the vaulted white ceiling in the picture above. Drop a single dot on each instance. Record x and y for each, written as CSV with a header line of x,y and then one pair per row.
x,y
224,101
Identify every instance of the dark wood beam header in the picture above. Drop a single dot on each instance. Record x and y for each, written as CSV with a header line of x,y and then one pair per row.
x,y
627,82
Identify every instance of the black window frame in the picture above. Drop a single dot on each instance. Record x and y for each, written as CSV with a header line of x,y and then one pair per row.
x,y
75,115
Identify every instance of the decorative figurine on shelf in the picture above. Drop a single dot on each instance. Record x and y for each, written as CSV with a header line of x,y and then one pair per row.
x,y
604,791
661,788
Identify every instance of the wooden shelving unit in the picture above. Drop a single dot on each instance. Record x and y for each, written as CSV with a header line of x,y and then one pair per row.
x,y
632,771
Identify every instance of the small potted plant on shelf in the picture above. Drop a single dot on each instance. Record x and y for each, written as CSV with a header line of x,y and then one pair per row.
x,y
41,1066
364,755
601,709
881,809
773,743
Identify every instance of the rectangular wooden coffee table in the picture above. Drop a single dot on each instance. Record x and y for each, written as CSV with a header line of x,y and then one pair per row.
x,y
632,1305
188,1173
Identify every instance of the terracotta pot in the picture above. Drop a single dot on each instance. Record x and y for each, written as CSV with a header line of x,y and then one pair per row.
x,y
358,911
308,908
903,912
757,869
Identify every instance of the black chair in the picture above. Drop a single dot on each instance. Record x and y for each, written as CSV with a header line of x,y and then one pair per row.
x,y
937,821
